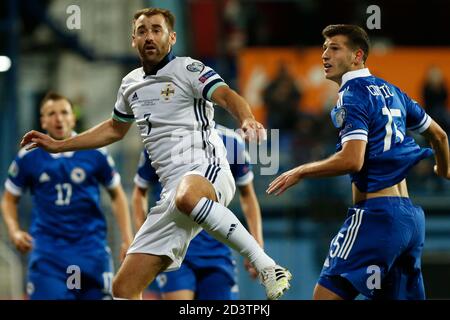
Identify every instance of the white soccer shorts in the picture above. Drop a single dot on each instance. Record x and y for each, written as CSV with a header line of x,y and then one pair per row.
x,y
167,231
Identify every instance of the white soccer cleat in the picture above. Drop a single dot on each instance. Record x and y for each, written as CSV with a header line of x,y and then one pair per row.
x,y
276,281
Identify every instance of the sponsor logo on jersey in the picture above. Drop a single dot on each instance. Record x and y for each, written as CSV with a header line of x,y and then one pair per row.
x,y
149,102
167,92
44,177
206,76
135,97
195,66
78,175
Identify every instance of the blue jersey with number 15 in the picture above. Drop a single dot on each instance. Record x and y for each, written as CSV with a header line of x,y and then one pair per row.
x,y
376,111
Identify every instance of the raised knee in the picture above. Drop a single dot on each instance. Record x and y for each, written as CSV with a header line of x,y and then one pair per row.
x,y
185,201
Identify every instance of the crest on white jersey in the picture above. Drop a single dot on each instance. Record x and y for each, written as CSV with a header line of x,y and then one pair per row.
x,y
195,66
167,92
78,175
44,177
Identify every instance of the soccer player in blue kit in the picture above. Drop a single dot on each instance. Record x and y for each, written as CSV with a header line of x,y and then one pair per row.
x,y
68,229
377,251
208,270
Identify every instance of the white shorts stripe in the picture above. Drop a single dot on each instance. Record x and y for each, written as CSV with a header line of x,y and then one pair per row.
x,y
346,252
347,235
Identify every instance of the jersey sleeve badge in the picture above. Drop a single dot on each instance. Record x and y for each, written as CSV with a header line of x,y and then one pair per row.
x,y
195,66
13,170
207,75
338,116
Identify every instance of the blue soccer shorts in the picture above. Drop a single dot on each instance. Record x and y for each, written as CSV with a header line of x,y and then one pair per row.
x,y
377,251
209,278
53,278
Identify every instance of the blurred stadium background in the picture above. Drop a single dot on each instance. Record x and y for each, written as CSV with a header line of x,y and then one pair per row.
x,y
270,52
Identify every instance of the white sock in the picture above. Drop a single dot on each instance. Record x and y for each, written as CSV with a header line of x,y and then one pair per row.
x,y
223,225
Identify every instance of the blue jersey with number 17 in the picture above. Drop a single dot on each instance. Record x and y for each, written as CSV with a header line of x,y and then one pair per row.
x,y
65,192
376,111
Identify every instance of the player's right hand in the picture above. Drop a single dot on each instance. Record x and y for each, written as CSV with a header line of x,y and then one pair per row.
x,y
34,139
284,181
22,241
253,130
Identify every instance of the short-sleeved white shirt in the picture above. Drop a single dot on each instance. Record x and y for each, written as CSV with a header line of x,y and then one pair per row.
x,y
173,112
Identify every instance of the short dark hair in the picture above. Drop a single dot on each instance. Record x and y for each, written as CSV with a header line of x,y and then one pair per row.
x,y
357,36
148,12
55,97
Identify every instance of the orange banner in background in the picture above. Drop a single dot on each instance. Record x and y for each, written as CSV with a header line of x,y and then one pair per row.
x,y
403,67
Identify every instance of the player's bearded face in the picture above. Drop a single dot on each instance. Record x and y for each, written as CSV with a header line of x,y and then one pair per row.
x,y
336,57
57,119
152,38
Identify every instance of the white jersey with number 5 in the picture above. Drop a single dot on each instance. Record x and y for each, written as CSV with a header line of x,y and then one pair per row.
x,y
174,115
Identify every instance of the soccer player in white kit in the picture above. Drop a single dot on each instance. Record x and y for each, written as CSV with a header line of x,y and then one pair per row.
x,y
170,100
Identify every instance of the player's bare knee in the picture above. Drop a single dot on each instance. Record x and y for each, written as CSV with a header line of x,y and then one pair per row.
x,y
186,200
190,190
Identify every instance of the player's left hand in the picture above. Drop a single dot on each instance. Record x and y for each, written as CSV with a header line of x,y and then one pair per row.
x,y
284,181
34,139
253,130
250,269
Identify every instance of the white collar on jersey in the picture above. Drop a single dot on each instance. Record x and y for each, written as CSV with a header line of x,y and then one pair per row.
x,y
67,154
355,74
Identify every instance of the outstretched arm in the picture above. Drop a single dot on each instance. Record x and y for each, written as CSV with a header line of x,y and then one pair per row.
x,y
103,134
240,109
22,240
122,214
437,137
349,159
252,213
